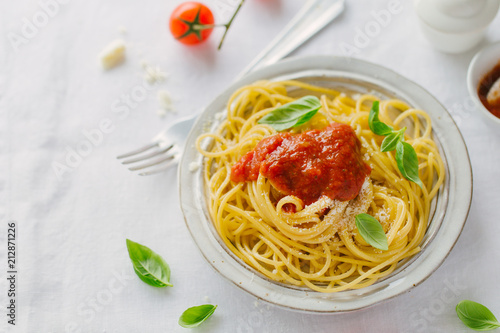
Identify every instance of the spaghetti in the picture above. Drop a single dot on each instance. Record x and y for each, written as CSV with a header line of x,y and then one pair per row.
x,y
317,244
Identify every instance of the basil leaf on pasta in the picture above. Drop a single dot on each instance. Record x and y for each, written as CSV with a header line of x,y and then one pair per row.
x,y
407,161
406,157
148,265
292,114
193,317
375,124
390,141
476,316
372,232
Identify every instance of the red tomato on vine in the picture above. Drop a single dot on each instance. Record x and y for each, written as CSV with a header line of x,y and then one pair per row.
x,y
192,22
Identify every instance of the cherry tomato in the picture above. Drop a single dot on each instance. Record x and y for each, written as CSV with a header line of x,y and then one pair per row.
x,y
191,23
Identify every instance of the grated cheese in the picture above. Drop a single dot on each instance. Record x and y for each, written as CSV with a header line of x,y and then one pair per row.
x,y
220,115
113,54
356,96
153,74
165,100
194,166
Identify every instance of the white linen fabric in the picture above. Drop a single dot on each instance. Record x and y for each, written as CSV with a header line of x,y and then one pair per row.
x,y
64,120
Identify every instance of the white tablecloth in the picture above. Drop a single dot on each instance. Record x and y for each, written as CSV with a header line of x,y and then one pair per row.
x,y
74,274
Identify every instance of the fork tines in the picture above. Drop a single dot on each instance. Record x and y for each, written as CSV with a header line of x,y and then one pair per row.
x,y
156,155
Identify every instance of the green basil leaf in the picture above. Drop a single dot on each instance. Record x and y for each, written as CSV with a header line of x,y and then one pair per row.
x,y
372,232
390,142
476,316
407,160
148,265
292,114
196,315
375,124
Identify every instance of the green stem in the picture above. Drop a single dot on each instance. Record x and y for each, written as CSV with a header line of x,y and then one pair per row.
x,y
402,133
228,24
207,26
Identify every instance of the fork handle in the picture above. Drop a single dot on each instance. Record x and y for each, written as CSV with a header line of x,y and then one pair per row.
x,y
313,17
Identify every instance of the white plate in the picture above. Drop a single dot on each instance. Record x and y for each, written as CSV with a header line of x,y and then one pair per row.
x,y
450,209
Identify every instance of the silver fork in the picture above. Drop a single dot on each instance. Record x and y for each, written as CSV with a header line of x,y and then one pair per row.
x,y
166,147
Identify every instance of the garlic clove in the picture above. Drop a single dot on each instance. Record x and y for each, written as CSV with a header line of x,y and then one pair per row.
x,y
493,96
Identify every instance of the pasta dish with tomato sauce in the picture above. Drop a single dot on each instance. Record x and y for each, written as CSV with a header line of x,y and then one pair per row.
x,y
286,202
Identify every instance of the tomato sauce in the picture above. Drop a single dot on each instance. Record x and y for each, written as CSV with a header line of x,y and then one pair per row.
x,y
484,87
308,165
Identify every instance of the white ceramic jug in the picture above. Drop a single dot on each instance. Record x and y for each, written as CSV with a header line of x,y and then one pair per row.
x,y
455,26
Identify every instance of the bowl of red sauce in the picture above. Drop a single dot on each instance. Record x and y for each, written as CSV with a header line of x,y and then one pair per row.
x,y
483,82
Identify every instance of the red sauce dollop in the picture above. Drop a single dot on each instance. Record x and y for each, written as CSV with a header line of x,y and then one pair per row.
x,y
308,165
